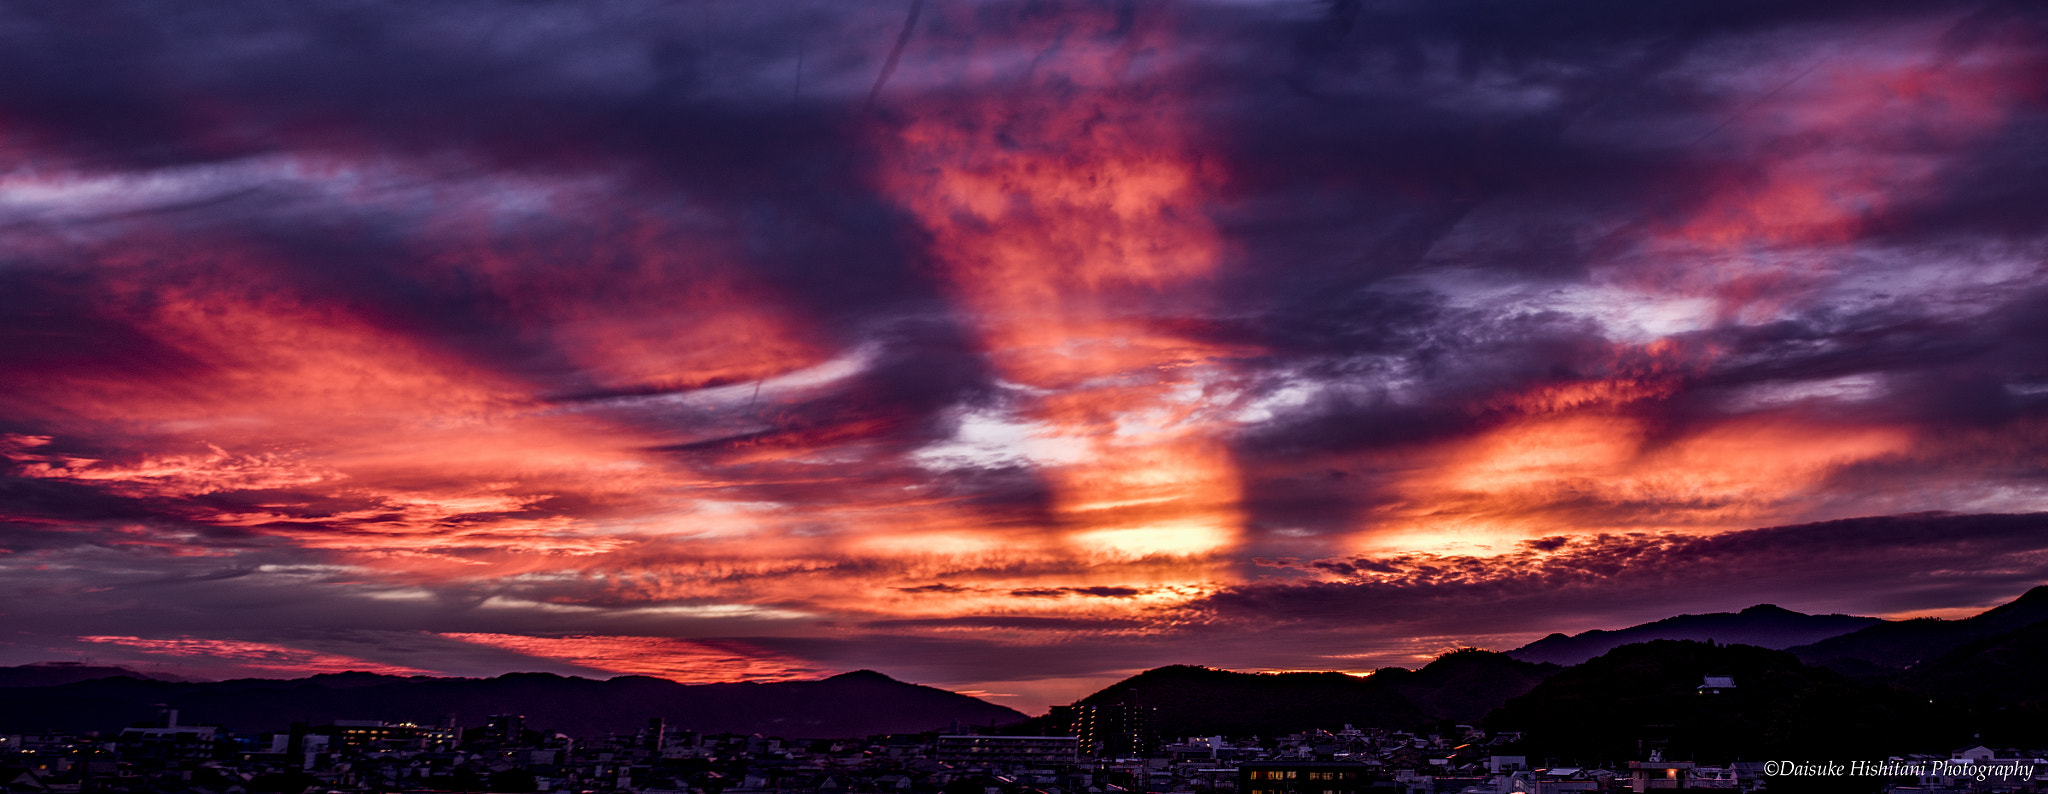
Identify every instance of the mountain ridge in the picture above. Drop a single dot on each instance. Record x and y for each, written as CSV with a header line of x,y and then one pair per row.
x,y
1763,625
60,673
1191,700
1893,646
1650,695
1990,655
861,703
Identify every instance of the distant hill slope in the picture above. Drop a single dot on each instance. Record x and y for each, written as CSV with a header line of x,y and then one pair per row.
x,y
59,673
1763,625
1893,646
1998,681
1200,701
854,704
1464,686
2011,667
1635,698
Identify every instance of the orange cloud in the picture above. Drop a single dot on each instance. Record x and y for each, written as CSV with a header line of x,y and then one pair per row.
x,y
338,421
1830,153
688,662
1062,206
256,656
634,303
1592,467
186,475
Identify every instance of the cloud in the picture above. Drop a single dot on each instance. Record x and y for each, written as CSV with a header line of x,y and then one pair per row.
x,y
676,660
1062,592
1104,330
1878,562
259,656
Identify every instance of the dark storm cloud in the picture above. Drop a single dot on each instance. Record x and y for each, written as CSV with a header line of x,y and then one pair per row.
x,y
1063,592
1385,161
690,102
52,328
940,587
1575,117
687,103
521,82
1399,120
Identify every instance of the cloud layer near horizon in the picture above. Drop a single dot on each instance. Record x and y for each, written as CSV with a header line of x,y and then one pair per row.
x,y
1007,346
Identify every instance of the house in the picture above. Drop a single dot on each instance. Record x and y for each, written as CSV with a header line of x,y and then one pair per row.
x,y
1647,775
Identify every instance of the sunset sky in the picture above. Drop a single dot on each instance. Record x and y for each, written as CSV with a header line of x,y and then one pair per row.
x,y
1008,347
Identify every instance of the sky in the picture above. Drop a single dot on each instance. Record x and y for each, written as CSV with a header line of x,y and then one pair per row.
x,y
1005,346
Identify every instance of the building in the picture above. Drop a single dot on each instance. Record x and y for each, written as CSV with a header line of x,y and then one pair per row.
x,y
382,735
1109,730
1646,775
370,734
1303,777
1009,750
1716,684
170,741
505,729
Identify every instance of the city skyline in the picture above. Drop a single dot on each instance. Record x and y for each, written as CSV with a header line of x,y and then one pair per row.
x,y
1006,347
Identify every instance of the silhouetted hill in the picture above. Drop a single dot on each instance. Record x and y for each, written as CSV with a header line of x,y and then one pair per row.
x,y
2012,666
1635,698
1893,646
1200,701
1763,625
57,673
1464,686
1998,681
854,704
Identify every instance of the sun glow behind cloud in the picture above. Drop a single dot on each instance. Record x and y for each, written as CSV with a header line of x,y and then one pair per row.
x,y
1054,239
